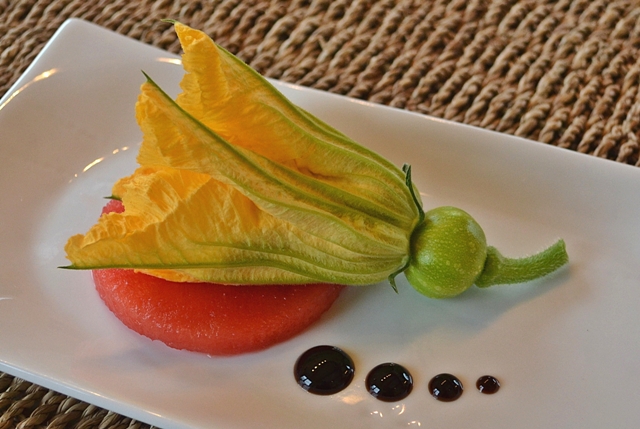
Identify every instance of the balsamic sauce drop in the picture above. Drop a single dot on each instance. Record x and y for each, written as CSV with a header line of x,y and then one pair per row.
x,y
324,370
488,384
389,382
445,387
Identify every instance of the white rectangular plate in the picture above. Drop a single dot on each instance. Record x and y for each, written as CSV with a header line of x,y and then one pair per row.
x,y
565,348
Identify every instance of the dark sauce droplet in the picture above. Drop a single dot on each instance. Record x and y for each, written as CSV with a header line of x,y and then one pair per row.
x,y
488,384
445,387
389,382
324,370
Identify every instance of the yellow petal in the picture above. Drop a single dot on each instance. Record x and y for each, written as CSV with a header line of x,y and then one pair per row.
x,y
186,226
245,110
311,204
238,185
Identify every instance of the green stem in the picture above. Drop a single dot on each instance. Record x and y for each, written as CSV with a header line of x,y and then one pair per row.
x,y
501,270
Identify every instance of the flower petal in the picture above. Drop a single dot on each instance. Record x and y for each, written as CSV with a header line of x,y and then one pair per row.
x,y
232,241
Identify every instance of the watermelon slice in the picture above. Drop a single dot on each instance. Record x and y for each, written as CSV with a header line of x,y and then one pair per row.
x,y
211,318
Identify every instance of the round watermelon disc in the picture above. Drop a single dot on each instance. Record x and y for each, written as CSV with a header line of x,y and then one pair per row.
x,y
211,318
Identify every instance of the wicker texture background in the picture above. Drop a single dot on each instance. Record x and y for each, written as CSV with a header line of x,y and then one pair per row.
x,y
562,72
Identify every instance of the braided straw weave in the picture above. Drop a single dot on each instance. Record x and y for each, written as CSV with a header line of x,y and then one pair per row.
x,y
562,72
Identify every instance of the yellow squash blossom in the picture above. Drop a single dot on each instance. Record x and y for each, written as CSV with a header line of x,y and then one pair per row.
x,y
237,185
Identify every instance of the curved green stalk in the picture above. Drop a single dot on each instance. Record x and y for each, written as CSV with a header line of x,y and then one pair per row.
x,y
502,270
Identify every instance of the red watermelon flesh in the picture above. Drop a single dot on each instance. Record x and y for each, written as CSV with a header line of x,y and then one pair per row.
x,y
211,318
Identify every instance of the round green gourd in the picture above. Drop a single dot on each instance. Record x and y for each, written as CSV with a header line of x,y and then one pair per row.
x,y
448,252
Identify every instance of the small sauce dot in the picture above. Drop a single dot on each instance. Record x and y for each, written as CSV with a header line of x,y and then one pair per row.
x,y
445,387
389,382
324,370
488,384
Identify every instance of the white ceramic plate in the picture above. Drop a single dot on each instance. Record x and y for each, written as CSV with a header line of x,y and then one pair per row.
x,y
565,348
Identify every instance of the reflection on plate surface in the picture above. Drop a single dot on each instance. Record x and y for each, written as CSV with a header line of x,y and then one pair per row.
x,y
563,347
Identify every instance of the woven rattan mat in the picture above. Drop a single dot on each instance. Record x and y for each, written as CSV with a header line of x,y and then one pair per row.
x,y
563,72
